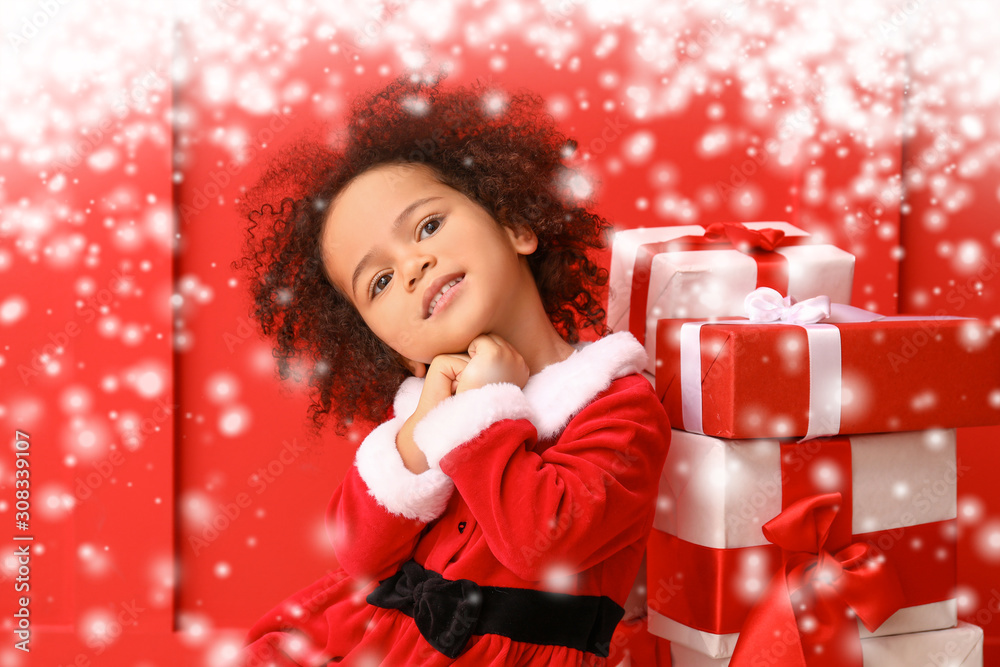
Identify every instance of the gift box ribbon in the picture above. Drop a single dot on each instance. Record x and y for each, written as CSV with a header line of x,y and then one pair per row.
x,y
822,583
766,306
812,553
760,244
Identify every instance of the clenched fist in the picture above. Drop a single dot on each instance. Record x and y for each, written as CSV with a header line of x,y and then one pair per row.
x,y
492,359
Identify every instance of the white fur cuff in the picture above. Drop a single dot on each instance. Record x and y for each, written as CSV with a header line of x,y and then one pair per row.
x,y
460,418
421,496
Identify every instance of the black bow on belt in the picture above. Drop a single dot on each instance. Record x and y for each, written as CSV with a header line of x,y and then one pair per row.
x,y
444,611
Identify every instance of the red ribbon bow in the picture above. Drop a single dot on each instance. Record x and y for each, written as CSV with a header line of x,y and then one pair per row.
x,y
742,237
772,267
828,590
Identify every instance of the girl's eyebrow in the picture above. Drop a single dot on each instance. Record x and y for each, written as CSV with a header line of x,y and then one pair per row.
x,y
400,219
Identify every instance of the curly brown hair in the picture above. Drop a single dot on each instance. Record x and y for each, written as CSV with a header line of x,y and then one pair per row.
x,y
503,152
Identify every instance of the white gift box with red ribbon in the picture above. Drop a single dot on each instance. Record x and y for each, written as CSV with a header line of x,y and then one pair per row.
x,y
692,271
709,563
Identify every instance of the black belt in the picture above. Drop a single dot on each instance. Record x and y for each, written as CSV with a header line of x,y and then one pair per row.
x,y
448,612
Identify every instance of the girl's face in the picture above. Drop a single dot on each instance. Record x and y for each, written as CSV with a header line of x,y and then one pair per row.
x,y
427,268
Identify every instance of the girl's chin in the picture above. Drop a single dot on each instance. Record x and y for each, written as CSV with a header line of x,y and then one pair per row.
x,y
453,342
457,348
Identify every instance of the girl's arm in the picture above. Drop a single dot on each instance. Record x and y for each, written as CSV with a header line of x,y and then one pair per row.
x,y
574,504
377,513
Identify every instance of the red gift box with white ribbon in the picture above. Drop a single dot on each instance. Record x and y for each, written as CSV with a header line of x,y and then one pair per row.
x,y
782,373
832,539
692,271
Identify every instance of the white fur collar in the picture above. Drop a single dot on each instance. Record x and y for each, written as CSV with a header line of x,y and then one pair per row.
x,y
561,390
549,400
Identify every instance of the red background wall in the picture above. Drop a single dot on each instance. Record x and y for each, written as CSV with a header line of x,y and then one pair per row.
x,y
177,493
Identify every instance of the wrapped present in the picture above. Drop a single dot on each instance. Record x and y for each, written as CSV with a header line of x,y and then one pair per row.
x,y
961,646
852,372
698,272
874,514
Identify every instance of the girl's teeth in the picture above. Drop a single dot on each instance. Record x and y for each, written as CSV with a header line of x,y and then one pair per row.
x,y
444,289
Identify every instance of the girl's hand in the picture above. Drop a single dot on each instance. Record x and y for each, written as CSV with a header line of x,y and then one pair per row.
x,y
492,359
440,382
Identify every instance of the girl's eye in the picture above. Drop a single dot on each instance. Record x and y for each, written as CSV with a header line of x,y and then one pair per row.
x,y
429,227
381,283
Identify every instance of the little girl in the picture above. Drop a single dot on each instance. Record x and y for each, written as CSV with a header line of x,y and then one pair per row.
x,y
499,515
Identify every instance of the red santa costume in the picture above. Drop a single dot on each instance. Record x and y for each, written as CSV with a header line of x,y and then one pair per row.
x,y
517,547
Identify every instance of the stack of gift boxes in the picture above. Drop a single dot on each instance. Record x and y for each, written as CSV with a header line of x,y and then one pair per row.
x,y
807,510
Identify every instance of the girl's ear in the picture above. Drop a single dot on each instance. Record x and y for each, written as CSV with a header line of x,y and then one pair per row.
x,y
523,239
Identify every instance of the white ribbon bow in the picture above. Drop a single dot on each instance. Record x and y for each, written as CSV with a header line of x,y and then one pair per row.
x,y
767,305
816,315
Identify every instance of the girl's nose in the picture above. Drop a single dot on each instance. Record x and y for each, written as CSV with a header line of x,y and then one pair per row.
x,y
415,268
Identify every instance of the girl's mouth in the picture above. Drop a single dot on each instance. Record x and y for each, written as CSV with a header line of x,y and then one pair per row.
x,y
443,295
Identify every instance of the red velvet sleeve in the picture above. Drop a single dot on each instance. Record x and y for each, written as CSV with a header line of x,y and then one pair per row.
x,y
603,470
377,513
369,541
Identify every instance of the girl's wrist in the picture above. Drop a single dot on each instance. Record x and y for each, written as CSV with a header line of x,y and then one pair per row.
x,y
413,458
